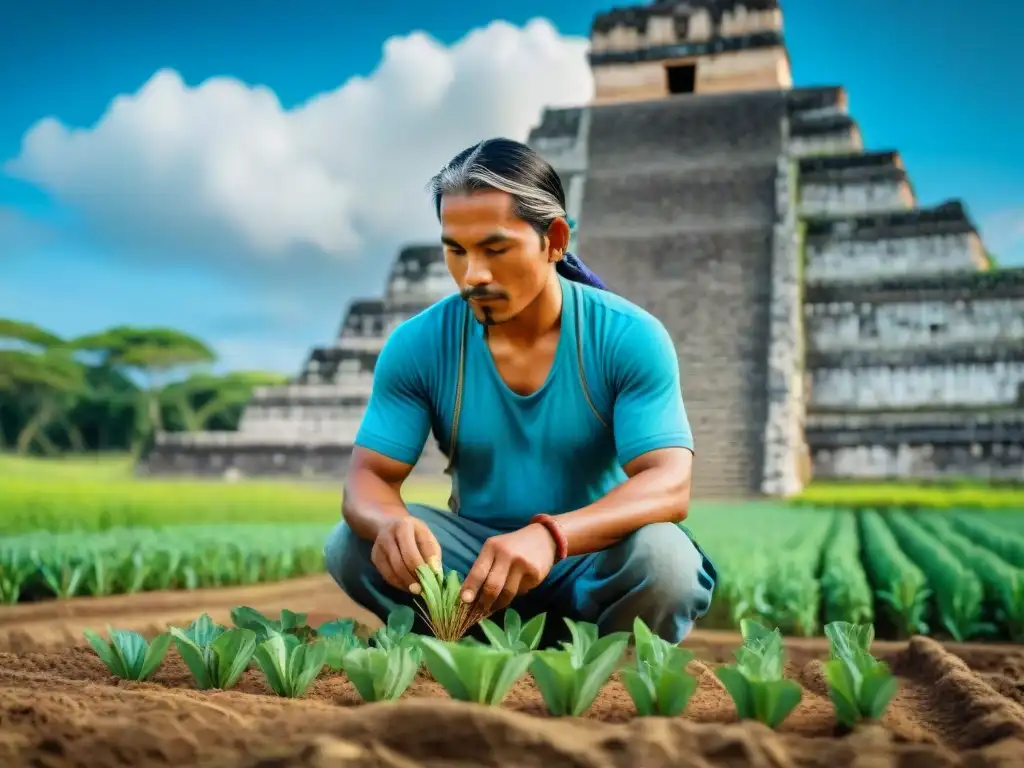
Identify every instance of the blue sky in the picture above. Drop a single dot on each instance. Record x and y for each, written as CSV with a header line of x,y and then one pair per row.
x,y
109,231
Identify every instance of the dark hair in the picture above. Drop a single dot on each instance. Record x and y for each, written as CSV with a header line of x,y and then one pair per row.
x,y
535,187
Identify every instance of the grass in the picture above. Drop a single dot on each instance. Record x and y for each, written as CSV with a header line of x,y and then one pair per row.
x,y
86,493
101,491
954,495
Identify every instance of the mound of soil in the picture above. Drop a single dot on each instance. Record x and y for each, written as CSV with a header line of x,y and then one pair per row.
x,y
59,707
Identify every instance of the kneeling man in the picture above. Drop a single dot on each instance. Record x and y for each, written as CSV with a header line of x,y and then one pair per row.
x,y
558,405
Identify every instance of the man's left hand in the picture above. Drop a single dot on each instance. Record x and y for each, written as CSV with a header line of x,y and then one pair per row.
x,y
508,565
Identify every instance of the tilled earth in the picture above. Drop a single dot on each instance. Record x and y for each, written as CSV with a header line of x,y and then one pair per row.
x,y
957,705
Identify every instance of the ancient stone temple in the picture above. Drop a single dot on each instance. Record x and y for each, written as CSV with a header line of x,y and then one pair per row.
x,y
825,322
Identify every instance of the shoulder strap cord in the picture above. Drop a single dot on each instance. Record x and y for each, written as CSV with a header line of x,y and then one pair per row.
x,y
453,502
579,358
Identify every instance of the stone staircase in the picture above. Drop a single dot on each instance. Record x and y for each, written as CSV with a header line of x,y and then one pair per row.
x,y
678,217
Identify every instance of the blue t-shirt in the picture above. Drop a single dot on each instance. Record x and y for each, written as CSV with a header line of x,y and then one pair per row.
x,y
552,451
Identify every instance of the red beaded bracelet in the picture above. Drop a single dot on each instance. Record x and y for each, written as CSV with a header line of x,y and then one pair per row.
x,y
561,543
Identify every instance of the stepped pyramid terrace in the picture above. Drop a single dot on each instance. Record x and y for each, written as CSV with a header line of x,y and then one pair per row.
x,y
827,324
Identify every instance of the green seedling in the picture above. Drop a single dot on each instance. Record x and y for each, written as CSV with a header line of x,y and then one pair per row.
x,y
658,682
127,655
756,682
860,686
475,673
289,665
338,638
447,615
216,656
397,631
515,636
570,679
382,675
290,623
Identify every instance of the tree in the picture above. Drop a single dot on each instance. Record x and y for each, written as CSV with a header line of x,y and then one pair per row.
x,y
202,397
152,354
37,370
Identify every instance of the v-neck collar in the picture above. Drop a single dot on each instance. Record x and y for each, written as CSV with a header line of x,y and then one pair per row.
x,y
566,340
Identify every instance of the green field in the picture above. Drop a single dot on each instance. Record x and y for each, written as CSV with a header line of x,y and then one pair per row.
x,y
916,561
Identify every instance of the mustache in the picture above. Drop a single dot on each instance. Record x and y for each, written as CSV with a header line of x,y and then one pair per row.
x,y
481,292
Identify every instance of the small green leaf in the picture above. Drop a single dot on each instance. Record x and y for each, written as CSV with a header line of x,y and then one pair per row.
x,y
777,699
673,690
513,626
194,658
495,635
380,675
555,677
154,655
532,631
739,689
594,674
110,658
876,691
640,690
231,653
271,657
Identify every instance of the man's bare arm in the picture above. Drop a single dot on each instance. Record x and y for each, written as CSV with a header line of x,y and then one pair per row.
x,y
657,491
372,496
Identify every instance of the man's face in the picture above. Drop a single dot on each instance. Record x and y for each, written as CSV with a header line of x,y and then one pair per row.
x,y
499,261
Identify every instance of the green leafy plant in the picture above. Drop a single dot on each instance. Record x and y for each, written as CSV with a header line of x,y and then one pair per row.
x,y
658,682
756,683
127,655
290,623
860,686
515,636
216,657
382,675
338,638
444,610
570,679
290,665
475,673
397,631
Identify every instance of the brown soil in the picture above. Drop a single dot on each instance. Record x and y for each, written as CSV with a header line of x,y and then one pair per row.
x,y
958,705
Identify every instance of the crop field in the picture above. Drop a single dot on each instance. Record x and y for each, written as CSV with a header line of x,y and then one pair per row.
x,y
231,567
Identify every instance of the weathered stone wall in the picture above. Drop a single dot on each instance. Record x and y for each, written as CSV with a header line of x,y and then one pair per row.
x,y
940,386
904,324
657,174
865,260
856,197
1002,461
785,451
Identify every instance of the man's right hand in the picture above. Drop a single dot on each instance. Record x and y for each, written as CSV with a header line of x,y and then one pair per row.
x,y
401,546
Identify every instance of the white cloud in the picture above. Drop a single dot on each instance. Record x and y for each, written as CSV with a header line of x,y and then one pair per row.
x,y
223,170
1003,232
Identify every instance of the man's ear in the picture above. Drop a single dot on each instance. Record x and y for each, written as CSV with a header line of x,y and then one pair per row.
x,y
559,235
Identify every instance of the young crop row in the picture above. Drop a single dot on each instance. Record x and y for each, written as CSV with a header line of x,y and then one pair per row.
x,y
291,655
123,561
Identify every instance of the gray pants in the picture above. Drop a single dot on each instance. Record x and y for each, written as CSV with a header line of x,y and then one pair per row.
x,y
656,573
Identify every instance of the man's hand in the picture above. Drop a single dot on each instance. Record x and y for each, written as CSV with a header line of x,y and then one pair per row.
x,y
401,546
508,565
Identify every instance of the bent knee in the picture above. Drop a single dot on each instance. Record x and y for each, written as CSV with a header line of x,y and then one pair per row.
x,y
670,569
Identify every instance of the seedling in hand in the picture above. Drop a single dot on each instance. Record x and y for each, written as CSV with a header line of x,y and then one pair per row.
x,y
447,615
